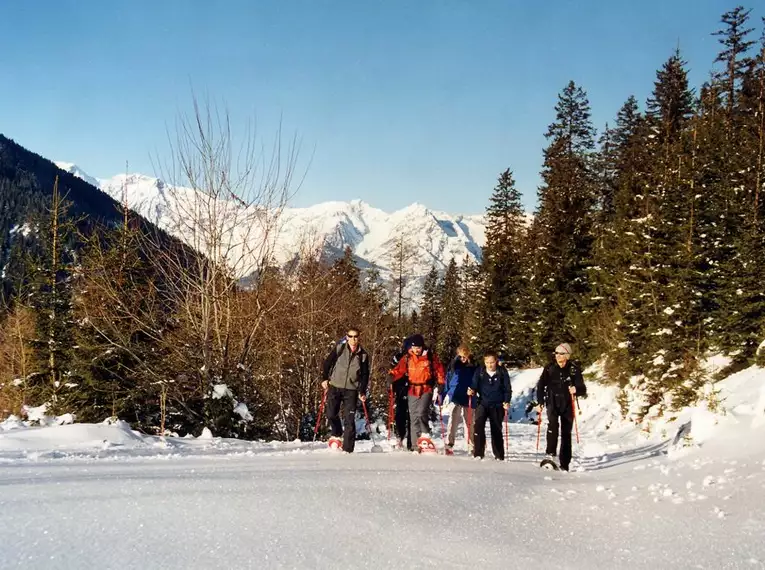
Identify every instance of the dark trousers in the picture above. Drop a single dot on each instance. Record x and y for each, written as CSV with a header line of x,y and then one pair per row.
x,y
337,399
402,412
495,415
566,423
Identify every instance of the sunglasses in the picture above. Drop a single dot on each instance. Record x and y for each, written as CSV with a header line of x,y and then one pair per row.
x,y
560,353
352,336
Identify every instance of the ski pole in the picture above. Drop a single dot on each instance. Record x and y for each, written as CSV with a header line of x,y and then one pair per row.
x,y
390,411
539,427
441,415
576,423
470,421
507,435
318,420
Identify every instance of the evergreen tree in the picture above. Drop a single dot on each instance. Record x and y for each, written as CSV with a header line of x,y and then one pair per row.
x,y
663,301
734,38
123,320
346,273
472,295
671,105
624,164
739,318
503,327
53,346
430,309
452,312
562,229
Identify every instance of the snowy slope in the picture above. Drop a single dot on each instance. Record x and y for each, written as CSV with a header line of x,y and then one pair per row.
x,y
329,227
102,496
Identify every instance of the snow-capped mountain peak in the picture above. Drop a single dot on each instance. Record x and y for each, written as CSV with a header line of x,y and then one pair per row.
x,y
75,170
326,228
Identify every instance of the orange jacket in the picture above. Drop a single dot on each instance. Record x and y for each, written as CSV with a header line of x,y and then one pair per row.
x,y
419,371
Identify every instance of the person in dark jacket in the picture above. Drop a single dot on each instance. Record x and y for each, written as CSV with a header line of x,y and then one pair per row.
x,y
492,385
561,381
459,378
345,374
400,393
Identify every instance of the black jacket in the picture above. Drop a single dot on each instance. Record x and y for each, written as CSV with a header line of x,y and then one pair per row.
x,y
492,391
553,385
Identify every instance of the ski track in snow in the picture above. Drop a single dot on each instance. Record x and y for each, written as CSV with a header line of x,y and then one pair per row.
x,y
101,496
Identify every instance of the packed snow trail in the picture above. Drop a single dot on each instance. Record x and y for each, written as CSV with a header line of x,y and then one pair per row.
x,y
102,496
319,509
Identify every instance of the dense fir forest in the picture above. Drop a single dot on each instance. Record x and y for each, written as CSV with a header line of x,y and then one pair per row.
x,y
645,252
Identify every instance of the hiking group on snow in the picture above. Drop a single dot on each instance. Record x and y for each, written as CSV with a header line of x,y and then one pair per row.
x,y
478,393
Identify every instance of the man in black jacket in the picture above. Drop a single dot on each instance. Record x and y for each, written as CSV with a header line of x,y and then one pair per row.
x,y
346,375
560,383
492,384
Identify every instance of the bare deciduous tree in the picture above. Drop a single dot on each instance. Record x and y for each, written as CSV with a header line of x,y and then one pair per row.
x,y
224,201
401,252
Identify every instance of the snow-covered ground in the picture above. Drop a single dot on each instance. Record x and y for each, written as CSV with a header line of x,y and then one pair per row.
x,y
102,496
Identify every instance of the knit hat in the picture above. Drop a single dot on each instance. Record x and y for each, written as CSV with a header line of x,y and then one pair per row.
x,y
417,340
563,347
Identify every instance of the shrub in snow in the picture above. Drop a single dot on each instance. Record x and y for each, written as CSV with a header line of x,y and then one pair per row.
x,y
307,425
224,415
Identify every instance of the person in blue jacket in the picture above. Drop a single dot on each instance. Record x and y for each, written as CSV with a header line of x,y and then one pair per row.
x,y
458,379
491,383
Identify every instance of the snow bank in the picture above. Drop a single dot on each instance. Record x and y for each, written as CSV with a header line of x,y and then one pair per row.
x,y
70,437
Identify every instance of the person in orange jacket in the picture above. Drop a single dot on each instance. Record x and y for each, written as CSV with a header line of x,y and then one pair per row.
x,y
424,370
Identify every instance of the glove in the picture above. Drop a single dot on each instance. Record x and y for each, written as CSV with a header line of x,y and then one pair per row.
x,y
389,380
436,395
446,400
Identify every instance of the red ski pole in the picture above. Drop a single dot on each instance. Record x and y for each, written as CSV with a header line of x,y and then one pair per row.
x,y
470,421
507,435
539,427
576,423
443,429
390,411
318,420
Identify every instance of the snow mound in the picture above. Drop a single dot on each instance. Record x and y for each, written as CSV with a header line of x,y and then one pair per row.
x,y
70,437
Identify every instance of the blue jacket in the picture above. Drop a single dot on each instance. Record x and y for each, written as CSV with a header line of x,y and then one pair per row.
x,y
492,391
458,380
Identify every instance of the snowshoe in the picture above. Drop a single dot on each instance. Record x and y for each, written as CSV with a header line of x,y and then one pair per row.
x,y
425,445
548,463
335,443
448,450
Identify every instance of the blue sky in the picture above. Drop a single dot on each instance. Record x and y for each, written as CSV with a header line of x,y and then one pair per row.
x,y
394,101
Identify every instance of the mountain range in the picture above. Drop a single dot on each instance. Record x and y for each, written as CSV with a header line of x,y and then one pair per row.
x,y
371,233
